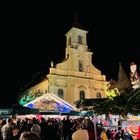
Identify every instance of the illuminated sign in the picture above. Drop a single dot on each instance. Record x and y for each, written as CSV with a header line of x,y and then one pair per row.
x,y
5,111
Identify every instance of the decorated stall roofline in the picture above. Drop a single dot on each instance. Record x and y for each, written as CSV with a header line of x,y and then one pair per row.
x,y
59,100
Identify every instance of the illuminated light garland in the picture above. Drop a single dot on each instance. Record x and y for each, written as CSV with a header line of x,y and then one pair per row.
x,y
29,97
111,93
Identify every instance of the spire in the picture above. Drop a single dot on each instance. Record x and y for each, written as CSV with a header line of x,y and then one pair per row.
x,y
76,23
123,82
75,15
122,75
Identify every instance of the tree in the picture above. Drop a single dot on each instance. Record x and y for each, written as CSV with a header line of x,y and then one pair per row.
x,y
126,102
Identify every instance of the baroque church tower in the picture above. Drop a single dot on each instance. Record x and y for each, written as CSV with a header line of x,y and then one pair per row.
x,y
76,77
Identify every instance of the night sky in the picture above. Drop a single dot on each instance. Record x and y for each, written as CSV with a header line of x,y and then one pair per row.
x,y
32,36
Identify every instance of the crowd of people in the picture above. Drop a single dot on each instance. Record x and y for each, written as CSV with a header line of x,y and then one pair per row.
x,y
57,129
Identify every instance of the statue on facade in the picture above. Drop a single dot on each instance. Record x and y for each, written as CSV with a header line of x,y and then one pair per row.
x,y
134,78
52,64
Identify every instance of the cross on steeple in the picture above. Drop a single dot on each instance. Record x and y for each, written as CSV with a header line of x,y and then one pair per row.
x,y
76,23
75,15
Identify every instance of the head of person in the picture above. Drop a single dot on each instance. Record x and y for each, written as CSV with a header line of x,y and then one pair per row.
x,y
15,131
3,122
29,136
34,120
9,120
133,67
78,126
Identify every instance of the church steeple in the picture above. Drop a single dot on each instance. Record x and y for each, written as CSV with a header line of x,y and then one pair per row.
x,y
122,75
76,36
123,82
76,22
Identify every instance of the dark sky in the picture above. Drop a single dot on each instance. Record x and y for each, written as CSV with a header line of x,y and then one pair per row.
x,y
33,35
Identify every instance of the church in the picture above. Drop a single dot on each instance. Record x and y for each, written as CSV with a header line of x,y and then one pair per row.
x,y
75,78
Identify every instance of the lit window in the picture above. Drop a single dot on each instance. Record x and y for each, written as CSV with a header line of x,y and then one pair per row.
x,y
69,41
82,94
80,65
60,93
79,39
98,95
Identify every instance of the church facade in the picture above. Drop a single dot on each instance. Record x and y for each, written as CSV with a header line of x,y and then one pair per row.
x,y
75,77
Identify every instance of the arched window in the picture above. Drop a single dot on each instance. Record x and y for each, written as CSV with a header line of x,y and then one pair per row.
x,y
69,41
98,95
60,93
79,39
82,94
80,65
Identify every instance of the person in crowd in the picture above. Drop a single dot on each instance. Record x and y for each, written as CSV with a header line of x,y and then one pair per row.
x,y
90,128
108,134
43,125
104,135
51,132
6,130
16,133
112,134
80,133
35,128
29,136
67,125
126,135
119,136
2,123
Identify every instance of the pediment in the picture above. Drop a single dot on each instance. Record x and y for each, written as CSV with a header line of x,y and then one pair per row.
x,y
50,102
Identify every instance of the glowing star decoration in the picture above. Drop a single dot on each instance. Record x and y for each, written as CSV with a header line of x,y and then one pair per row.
x,y
134,78
111,93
